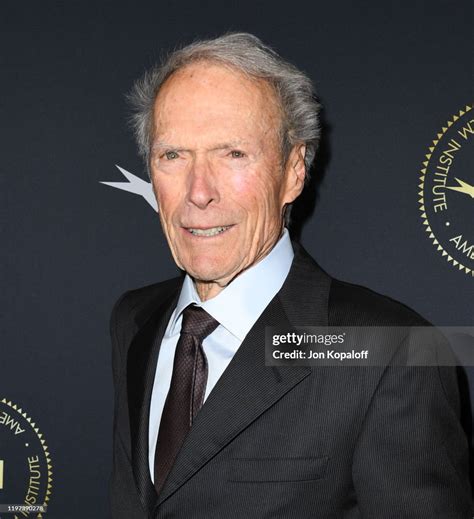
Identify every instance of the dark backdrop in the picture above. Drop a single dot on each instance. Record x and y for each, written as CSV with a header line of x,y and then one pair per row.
x,y
389,75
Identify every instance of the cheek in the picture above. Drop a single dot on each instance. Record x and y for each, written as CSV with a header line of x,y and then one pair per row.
x,y
252,190
166,197
243,193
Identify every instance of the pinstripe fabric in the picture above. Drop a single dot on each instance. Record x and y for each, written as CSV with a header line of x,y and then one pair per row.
x,y
295,442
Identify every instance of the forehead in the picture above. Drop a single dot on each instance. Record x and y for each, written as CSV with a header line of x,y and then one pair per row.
x,y
212,98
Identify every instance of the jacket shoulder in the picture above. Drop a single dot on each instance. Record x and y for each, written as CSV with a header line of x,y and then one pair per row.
x,y
140,302
134,307
355,305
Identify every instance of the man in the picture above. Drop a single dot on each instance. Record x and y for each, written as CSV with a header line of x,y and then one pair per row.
x,y
203,428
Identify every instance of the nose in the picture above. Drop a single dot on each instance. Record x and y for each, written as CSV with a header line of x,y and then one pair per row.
x,y
202,187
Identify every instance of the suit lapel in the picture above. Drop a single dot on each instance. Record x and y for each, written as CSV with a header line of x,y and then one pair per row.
x,y
247,388
141,366
305,293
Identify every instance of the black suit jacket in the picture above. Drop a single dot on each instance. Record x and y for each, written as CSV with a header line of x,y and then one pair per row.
x,y
292,441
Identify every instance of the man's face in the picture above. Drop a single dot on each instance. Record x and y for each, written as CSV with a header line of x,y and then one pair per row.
x,y
216,171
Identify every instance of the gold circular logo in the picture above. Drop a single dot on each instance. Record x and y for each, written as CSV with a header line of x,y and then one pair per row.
x,y
447,191
25,464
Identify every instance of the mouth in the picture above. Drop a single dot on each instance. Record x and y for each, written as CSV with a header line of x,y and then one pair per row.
x,y
209,231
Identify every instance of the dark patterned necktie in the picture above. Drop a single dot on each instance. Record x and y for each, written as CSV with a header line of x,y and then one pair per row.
x,y
187,389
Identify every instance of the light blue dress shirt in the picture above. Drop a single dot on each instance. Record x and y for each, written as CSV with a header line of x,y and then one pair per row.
x,y
237,307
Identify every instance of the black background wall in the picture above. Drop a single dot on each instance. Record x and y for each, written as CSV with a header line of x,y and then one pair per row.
x,y
389,74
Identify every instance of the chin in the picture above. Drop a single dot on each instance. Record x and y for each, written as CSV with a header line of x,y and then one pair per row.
x,y
207,269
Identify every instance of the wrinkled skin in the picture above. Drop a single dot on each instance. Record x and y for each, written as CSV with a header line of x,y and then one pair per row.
x,y
216,162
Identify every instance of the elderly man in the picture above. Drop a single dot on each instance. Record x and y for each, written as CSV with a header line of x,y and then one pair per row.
x,y
203,427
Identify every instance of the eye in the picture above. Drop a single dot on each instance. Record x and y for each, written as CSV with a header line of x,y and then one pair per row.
x,y
171,155
236,154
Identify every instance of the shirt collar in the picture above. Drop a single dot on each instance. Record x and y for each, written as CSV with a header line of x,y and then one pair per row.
x,y
241,303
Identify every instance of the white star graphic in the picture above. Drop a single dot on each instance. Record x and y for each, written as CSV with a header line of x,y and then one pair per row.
x,y
135,185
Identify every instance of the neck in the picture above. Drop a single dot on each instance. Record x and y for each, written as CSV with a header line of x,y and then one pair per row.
x,y
207,289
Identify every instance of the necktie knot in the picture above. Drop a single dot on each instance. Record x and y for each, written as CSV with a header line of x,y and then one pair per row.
x,y
197,322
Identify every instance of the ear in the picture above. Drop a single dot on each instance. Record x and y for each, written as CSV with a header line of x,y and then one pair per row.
x,y
295,174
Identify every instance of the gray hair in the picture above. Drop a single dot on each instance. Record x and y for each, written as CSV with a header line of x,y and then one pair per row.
x,y
250,56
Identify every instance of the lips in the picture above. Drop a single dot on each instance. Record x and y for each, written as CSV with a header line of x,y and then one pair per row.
x,y
207,232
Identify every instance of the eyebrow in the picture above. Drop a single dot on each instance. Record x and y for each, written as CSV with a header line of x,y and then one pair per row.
x,y
227,145
158,144
164,145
